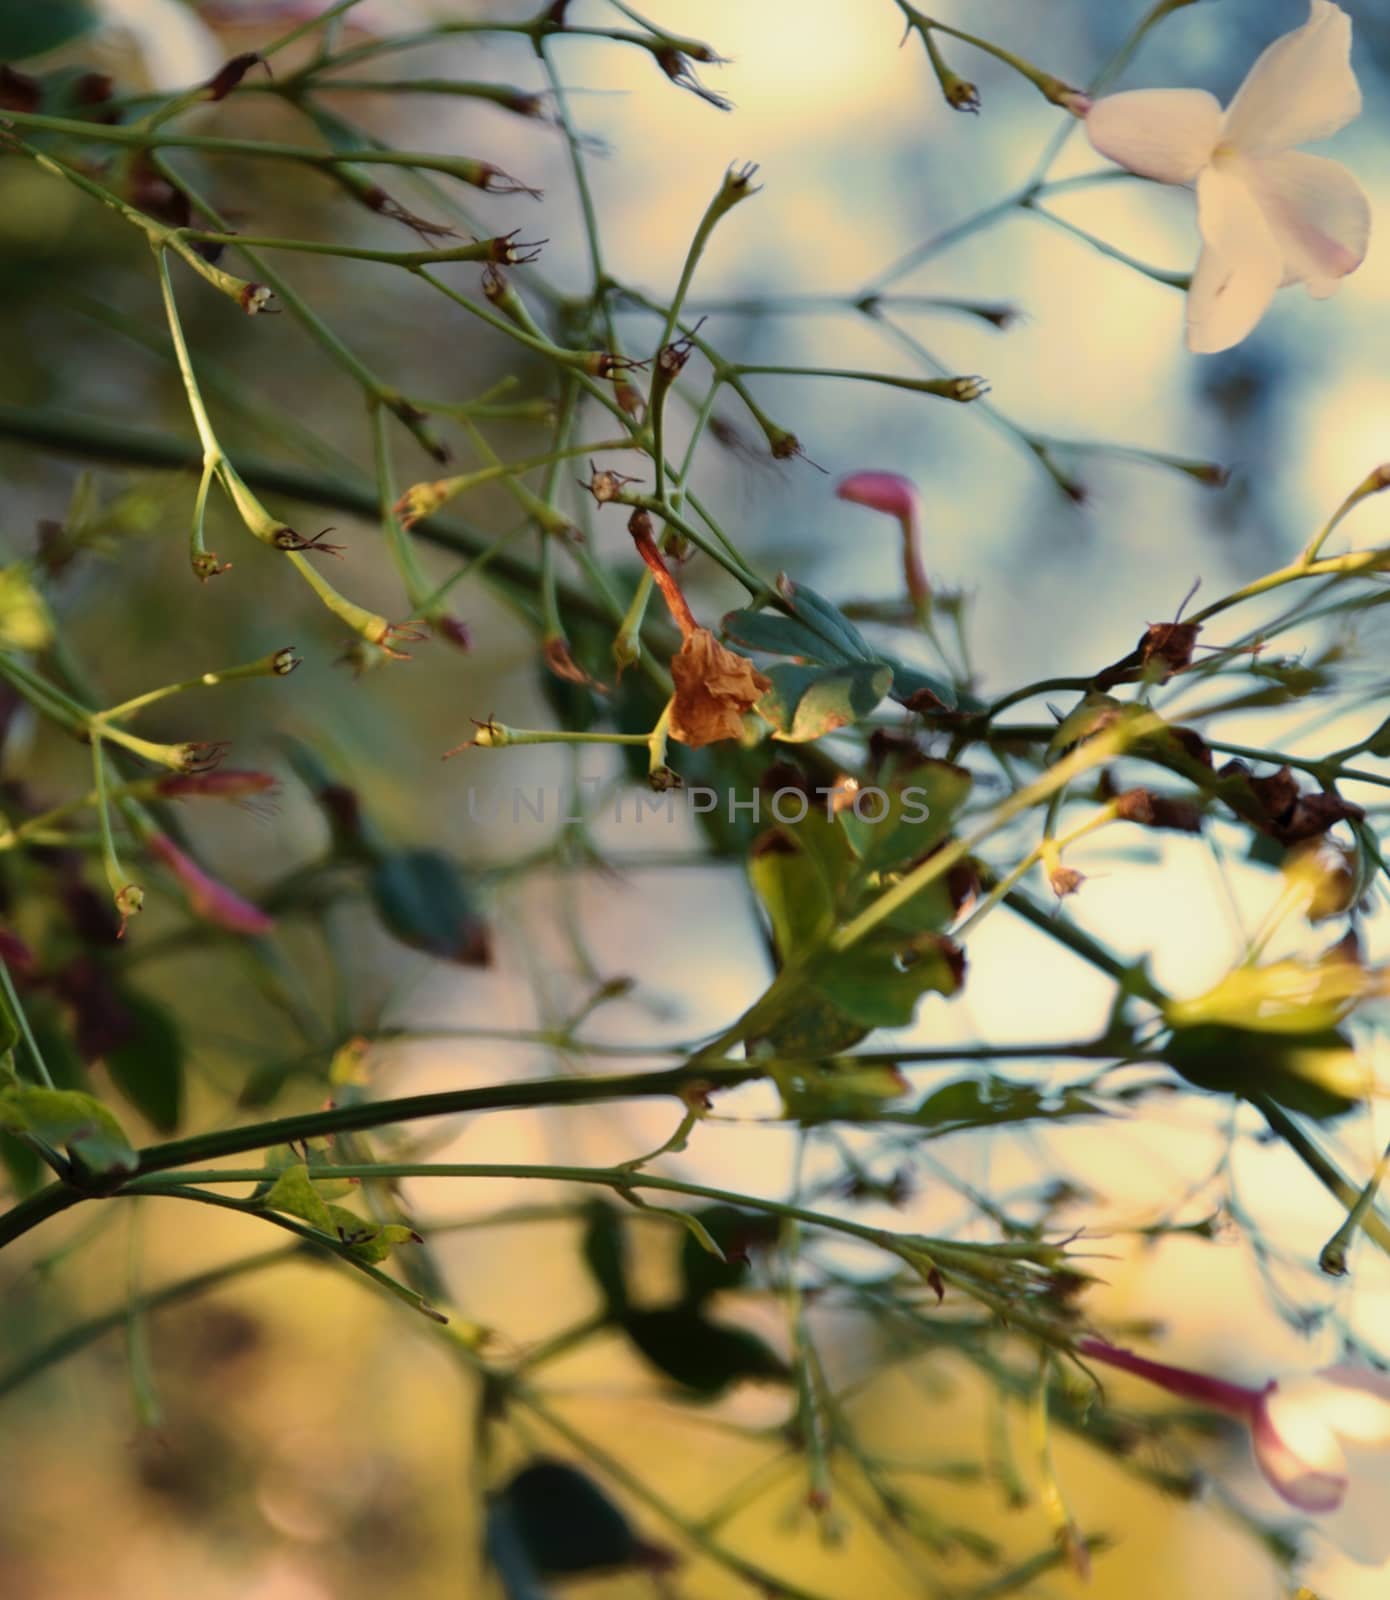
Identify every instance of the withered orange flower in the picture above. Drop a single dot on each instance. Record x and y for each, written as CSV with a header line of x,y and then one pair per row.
x,y
714,687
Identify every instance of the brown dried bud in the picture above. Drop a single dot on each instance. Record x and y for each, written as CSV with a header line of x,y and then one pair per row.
x,y
559,659
226,784
221,84
1164,648
714,688
202,755
607,486
961,95
1151,810
1065,881
629,397
678,69
287,539
507,250
452,628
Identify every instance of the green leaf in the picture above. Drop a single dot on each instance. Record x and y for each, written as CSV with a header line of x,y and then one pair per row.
x,y
909,681
814,1028
23,1164
736,1232
605,1254
702,1356
147,1067
421,898
916,814
1317,1074
806,702
838,1091
794,892
562,1522
74,1121
776,635
828,621
33,27
293,1192
368,1241
991,1101
797,873
879,981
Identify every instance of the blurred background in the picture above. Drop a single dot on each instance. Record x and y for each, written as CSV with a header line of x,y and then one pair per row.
x,y
311,1442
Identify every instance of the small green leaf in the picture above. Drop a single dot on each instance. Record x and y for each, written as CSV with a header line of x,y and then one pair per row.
x,y
34,27
147,1067
293,1192
879,981
991,1101
368,1241
828,621
77,1122
915,814
794,892
806,702
422,900
838,1091
812,1029
776,635
702,1356
910,681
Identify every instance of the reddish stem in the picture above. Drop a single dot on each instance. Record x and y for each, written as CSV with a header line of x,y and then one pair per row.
x,y
918,588
1233,1398
640,527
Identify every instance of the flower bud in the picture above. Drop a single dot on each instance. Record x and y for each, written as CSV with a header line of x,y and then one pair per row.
x,y
606,486
895,496
224,784
130,902
1065,881
207,898
452,628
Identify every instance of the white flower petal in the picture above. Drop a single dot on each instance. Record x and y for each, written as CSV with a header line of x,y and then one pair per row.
x,y
1319,214
1296,1448
1167,134
1240,266
1301,88
1357,1404
175,49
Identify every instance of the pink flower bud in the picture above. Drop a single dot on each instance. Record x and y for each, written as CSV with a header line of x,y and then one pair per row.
x,y
897,497
207,898
1321,1439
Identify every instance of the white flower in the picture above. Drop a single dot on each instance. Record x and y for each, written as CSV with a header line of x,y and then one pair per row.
x,y
1269,215
1323,1441
159,44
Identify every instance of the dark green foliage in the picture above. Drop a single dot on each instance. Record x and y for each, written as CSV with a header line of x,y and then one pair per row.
x,y
701,1356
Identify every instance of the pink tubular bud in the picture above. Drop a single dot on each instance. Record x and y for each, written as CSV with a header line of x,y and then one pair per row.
x,y
207,898
895,496
225,783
